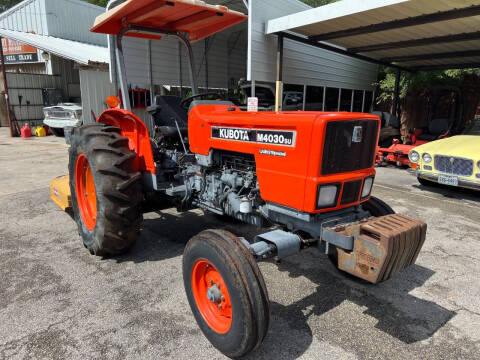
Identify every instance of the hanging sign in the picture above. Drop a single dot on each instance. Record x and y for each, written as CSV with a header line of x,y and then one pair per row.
x,y
15,52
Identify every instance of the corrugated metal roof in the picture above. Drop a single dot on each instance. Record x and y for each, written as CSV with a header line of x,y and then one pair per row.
x,y
81,53
383,22
66,19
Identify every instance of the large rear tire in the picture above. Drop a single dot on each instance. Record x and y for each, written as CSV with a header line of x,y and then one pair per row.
x,y
106,189
226,292
377,207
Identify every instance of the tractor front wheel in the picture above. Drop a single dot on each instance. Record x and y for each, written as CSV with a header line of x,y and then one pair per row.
x,y
226,292
106,189
377,207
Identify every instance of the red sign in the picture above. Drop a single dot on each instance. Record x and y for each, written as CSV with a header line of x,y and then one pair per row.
x,y
16,52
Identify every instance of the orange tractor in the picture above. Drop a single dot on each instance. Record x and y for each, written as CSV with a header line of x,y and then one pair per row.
x,y
303,177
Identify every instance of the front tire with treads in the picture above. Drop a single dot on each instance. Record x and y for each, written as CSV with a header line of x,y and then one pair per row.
x,y
226,292
106,189
377,207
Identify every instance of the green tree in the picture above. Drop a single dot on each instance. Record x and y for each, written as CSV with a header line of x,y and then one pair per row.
x,y
419,80
102,3
7,4
317,3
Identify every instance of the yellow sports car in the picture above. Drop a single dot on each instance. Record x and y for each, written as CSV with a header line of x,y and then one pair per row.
x,y
452,161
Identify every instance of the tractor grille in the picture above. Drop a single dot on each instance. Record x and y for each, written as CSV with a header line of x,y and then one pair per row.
x,y
453,165
350,192
345,150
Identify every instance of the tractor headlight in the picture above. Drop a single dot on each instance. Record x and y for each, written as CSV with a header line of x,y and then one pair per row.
x,y
367,187
427,157
414,156
327,195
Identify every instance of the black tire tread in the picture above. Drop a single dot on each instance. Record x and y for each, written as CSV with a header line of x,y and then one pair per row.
x,y
118,186
377,207
238,255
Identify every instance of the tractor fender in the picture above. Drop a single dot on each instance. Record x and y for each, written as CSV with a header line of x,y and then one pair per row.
x,y
135,130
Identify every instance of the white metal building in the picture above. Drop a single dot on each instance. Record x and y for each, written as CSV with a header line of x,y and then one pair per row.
x,y
68,54
328,80
245,51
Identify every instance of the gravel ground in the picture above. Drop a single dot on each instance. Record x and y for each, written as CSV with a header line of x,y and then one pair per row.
x,y
57,301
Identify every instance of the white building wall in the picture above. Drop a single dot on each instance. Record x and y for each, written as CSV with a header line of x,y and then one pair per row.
x,y
72,20
224,62
303,64
95,87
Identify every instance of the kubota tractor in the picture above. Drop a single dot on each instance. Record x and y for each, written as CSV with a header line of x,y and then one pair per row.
x,y
305,177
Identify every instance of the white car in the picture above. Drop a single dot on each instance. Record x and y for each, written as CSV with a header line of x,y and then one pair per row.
x,y
61,116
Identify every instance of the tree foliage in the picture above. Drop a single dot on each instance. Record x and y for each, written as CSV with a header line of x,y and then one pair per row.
x,y
411,82
102,3
7,4
317,3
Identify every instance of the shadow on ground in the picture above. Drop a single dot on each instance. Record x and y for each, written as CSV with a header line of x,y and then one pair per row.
x,y
450,192
166,236
398,314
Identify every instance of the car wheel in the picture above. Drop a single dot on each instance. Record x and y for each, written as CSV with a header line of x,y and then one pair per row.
x,y
57,131
425,182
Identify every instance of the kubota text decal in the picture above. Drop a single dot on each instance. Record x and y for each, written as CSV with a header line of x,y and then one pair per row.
x,y
261,136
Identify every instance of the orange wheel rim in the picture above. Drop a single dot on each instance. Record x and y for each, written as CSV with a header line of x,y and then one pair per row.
x,y
86,196
211,296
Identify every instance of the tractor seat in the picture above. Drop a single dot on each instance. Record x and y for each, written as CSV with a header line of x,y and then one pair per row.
x,y
436,128
167,112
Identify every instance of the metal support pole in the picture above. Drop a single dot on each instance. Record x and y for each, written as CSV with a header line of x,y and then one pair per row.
x,y
7,101
279,84
122,73
339,99
395,93
304,97
363,101
324,97
353,98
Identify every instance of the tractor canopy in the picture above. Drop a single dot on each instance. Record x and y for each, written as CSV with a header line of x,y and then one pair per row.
x,y
193,17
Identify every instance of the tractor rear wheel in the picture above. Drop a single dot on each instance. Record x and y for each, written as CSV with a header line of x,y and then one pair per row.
x,y
377,207
106,189
226,292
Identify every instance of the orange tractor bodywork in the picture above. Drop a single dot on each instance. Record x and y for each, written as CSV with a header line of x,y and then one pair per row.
x,y
303,177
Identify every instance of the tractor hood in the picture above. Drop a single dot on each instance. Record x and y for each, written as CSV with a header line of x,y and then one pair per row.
x,y
467,146
193,17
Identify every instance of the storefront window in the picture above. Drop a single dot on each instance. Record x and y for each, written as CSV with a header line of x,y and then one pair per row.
x,y
357,100
346,100
368,101
314,100
331,99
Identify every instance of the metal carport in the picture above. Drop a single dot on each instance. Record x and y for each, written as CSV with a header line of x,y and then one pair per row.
x,y
409,35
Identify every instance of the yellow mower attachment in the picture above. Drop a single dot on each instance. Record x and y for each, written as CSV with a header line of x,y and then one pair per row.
x,y
60,192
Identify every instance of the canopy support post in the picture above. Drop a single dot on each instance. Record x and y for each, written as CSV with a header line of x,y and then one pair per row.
x,y
7,100
122,73
279,82
121,61
395,93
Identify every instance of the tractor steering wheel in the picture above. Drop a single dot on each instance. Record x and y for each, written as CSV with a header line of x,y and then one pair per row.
x,y
190,98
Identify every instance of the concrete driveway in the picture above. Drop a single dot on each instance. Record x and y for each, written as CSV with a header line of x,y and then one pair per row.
x,y
57,301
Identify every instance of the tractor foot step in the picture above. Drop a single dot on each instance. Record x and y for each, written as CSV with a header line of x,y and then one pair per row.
x,y
382,247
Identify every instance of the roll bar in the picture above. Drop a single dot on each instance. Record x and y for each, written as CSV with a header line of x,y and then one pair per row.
x,y
121,60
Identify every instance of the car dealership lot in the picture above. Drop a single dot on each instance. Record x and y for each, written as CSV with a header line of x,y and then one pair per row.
x,y
58,301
